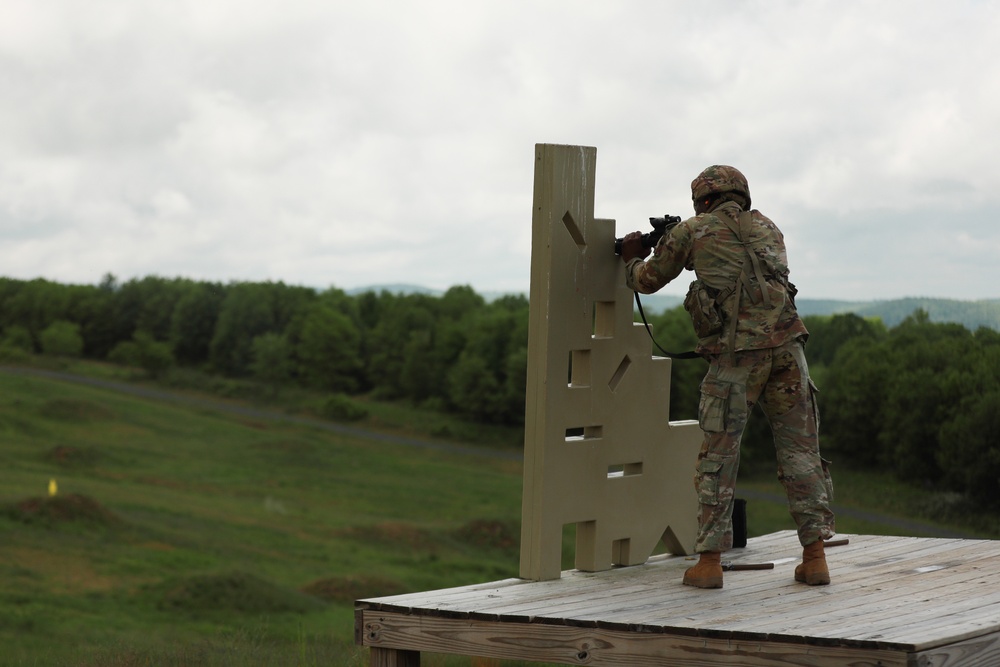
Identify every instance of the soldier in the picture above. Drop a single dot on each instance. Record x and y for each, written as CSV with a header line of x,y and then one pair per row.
x,y
743,309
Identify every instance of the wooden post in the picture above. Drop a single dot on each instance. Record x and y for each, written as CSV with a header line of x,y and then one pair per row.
x,y
390,657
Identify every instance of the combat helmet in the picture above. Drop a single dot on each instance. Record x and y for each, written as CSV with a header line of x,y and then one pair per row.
x,y
718,180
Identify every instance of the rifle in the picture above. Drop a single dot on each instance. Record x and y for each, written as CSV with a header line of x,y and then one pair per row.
x,y
660,227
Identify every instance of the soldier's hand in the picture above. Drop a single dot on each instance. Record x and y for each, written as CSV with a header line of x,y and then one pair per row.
x,y
632,247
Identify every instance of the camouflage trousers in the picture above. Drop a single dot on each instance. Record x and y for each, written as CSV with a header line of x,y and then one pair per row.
x,y
779,380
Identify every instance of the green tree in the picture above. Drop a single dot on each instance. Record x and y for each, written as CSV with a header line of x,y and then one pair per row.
x,y
401,319
474,389
970,453
147,304
673,332
459,301
193,321
827,334
17,337
125,353
94,308
250,310
889,398
145,352
852,404
155,357
329,350
487,381
16,344
34,304
924,389
62,339
419,374
515,370
272,360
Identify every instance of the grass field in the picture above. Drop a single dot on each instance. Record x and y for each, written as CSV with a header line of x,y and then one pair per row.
x,y
181,534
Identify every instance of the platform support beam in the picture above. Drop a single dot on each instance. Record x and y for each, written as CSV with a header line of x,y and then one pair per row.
x,y
390,657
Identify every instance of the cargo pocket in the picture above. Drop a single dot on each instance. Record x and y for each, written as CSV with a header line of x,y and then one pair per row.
x,y
814,399
713,405
708,481
827,479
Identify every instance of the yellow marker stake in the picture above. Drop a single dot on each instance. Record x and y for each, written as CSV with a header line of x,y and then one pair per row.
x,y
53,488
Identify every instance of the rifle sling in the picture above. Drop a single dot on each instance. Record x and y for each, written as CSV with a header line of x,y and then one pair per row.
x,y
673,355
742,232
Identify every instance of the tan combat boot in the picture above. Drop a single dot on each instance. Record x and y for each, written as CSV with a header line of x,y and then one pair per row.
x,y
813,569
707,573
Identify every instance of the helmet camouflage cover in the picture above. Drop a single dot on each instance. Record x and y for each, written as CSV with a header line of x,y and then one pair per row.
x,y
720,179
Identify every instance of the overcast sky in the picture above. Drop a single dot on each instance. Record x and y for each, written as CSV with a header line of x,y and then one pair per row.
x,y
371,142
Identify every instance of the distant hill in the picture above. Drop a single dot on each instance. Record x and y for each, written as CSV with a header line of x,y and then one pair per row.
x,y
398,288
970,314
401,288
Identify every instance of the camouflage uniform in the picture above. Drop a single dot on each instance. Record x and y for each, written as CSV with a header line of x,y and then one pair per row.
x,y
761,360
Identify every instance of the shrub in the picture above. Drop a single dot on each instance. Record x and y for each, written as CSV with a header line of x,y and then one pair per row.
x,y
17,337
62,339
153,356
342,408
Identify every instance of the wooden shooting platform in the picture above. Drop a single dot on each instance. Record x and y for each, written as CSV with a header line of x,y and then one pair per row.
x,y
893,601
601,454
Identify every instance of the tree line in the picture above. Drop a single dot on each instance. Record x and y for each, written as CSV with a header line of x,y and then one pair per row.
x,y
455,352
919,399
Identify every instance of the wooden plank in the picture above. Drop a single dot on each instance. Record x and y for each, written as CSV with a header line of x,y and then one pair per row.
x,y
757,595
847,611
979,615
661,604
984,650
573,580
890,596
598,647
658,583
562,606
764,584
940,618
387,657
635,591
891,592
459,597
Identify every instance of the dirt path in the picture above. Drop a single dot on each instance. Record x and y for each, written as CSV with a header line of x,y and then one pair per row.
x,y
907,525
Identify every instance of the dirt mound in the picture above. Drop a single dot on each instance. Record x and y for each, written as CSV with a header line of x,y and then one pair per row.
x,y
234,591
70,508
353,587
490,534
72,457
392,534
73,409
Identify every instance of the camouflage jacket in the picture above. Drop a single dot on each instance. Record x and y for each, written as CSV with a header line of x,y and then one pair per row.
x,y
708,246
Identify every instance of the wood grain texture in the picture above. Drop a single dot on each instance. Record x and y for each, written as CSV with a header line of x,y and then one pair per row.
x,y
893,600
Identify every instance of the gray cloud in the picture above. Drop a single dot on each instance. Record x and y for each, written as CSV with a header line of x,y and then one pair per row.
x,y
356,143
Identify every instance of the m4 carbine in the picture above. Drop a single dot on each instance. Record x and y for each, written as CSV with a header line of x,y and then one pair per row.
x,y
660,227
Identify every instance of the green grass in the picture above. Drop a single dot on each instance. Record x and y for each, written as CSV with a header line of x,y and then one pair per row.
x,y
183,534
187,535
900,509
